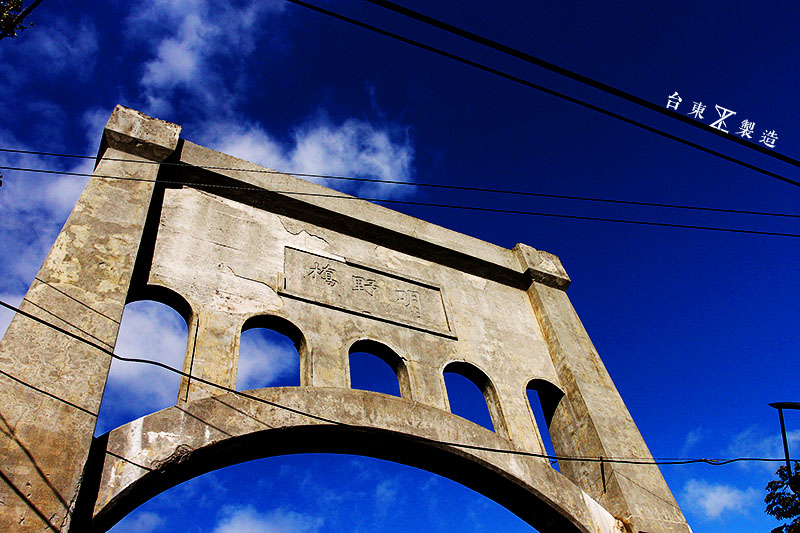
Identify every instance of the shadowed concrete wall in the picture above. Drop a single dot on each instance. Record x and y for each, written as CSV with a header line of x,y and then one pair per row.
x,y
238,245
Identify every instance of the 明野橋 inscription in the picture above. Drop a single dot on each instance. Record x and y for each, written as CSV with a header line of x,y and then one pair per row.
x,y
364,291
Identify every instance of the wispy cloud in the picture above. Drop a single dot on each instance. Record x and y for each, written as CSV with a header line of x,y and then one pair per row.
x,y
388,495
36,205
64,46
187,39
351,148
142,522
265,357
150,331
712,501
248,519
34,208
692,438
196,45
755,442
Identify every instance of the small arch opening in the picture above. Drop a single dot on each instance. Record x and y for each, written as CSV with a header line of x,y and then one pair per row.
x,y
471,394
162,295
148,330
543,398
376,367
270,349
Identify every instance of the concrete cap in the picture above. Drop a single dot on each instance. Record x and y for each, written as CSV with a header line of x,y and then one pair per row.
x,y
134,132
542,266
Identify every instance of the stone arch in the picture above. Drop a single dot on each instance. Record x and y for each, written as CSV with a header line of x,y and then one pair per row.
x,y
287,328
391,358
484,383
254,248
139,460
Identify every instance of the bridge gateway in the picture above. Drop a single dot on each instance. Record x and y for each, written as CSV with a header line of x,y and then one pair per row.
x,y
229,245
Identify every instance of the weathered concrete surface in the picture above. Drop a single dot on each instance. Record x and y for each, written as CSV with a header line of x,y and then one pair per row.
x,y
51,385
239,246
592,421
146,456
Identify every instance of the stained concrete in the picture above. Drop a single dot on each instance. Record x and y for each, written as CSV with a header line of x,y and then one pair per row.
x,y
238,244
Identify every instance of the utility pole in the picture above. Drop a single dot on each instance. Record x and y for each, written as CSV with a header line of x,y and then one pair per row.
x,y
794,480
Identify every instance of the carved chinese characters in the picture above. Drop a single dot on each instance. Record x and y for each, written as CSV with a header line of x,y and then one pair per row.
x,y
364,291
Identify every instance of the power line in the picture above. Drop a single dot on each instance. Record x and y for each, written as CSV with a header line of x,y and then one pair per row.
x,y
421,184
552,67
620,460
551,92
420,204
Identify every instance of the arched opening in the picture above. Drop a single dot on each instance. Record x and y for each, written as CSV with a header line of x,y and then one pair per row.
x,y
312,493
148,330
543,398
471,395
189,440
376,367
270,352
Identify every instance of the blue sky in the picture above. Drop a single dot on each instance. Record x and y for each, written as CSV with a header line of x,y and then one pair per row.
x,y
697,328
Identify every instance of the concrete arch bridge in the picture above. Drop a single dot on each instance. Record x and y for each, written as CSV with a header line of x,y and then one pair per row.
x,y
230,246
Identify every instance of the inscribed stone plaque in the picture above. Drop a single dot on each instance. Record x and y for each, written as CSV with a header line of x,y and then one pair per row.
x,y
364,291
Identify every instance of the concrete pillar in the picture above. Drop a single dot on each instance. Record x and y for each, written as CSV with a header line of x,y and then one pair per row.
x,y
428,385
212,354
592,420
326,364
520,425
50,384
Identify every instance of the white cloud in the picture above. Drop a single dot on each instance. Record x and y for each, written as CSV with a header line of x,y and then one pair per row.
x,y
250,143
33,213
187,38
386,493
177,58
263,358
62,47
142,522
692,438
249,520
66,46
754,442
61,193
196,45
711,501
353,148
94,120
148,331
35,207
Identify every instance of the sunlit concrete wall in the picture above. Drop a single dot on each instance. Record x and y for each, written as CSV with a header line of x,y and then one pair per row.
x,y
228,243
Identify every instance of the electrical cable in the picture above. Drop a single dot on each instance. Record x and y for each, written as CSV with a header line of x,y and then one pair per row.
x,y
552,67
620,460
420,184
543,89
510,77
420,204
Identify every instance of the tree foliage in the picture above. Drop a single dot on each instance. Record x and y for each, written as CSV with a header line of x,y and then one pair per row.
x,y
782,503
9,11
